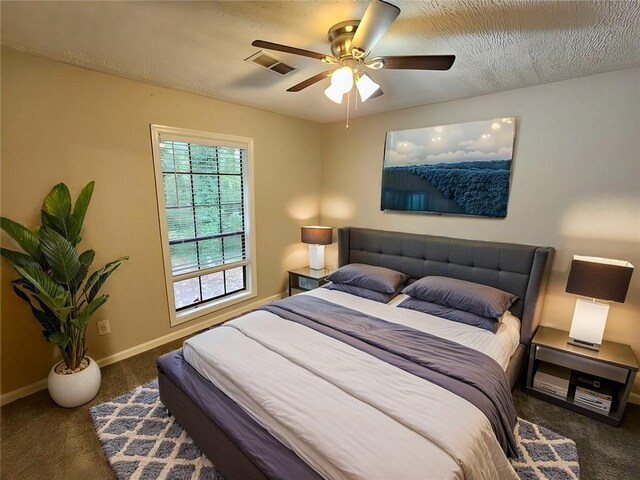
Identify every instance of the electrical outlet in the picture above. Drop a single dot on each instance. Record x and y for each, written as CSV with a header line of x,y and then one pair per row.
x,y
104,327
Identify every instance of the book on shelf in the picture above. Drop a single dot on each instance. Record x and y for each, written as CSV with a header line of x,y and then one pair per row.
x,y
594,393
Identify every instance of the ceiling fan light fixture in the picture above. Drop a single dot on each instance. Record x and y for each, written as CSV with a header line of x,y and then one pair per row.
x,y
358,53
375,63
342,80
366,87
351,44
334,94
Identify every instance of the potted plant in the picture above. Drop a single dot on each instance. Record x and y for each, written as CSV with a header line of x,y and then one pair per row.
x,y
55,282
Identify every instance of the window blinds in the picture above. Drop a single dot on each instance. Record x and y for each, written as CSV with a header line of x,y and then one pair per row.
x,y
204,201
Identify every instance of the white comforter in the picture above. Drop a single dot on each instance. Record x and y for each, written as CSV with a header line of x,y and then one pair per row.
x,y
346,413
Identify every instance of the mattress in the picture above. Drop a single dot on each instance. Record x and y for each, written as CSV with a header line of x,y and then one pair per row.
x,y
349,415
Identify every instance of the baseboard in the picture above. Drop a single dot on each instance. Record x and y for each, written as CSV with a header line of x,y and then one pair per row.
x,y
207,322
156,342
634,398
25,391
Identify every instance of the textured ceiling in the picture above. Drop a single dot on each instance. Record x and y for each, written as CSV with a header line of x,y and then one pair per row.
x,y
200,46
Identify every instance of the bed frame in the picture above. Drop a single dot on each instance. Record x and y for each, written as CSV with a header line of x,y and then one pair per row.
x,y
519,269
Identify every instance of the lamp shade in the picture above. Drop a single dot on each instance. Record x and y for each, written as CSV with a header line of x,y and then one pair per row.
x,y
342,79
366,87
316,235
601,278
334,94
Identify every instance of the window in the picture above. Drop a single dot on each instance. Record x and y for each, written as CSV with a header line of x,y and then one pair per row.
x,y
204,190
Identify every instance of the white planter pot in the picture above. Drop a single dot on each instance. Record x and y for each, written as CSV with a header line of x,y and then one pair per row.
x,y
74,389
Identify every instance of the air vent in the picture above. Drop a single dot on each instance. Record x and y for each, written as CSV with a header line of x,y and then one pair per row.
x,y
271,63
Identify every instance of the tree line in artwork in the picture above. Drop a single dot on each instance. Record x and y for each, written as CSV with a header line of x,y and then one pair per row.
x,y
478,187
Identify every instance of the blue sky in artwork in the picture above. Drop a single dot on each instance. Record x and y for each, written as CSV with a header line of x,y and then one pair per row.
x,y
484,140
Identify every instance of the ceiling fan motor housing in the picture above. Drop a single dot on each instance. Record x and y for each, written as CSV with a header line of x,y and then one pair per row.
x,y
351,42
340,36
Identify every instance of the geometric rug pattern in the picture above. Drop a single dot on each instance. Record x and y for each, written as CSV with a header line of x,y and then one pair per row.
x,y
143,442
543,454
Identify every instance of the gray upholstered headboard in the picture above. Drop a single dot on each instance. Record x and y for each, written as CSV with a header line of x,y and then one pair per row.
x,y
519,269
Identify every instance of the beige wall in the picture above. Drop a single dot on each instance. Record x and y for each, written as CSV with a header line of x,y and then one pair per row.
x,y
575,180
65,124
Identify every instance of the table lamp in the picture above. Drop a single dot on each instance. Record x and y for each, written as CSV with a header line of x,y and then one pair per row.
x,y
317,237
598,278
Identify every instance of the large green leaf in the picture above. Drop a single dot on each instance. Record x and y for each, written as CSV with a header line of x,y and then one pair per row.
x,y
24,237
62,227
45,316
58,202
15,284
20,259
86,259
79,212
58,305
48,291
61,256
60,339
81,322
48,220
56,211
41,281
97,278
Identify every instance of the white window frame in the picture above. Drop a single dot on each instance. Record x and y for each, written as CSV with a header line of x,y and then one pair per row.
x,y
251,282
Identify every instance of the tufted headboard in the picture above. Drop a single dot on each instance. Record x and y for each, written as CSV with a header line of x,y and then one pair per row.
x,y
519,269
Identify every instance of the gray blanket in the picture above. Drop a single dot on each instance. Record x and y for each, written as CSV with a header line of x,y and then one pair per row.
x,y
463,371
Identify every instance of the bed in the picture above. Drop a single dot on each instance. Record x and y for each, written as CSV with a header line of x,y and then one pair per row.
x,y
311,402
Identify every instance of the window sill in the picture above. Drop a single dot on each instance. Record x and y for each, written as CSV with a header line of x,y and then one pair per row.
x,y
210,307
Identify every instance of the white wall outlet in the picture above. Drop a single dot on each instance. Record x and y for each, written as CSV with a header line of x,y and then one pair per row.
x,y
104,327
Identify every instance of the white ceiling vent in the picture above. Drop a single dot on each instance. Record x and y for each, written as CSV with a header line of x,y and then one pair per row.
x,y
271,63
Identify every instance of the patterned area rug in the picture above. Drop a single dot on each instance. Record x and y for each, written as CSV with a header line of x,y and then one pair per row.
x,y
543,454
143,442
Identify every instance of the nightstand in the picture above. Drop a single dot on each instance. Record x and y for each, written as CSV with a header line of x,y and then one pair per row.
x,y
614,364
305,279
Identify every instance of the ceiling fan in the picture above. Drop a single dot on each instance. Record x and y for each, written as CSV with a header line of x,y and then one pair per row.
x,y
351,44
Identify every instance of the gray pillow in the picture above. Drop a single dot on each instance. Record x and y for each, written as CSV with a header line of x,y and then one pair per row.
x,y
362,292
379,279
460,316
462,295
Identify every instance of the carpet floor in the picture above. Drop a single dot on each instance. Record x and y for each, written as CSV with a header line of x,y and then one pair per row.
x,y
41,441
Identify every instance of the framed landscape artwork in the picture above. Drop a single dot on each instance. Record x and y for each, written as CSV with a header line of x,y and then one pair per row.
x,y
461,169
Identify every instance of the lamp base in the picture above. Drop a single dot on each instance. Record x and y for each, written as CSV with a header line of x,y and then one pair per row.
x,y
316,257
587,326
583,344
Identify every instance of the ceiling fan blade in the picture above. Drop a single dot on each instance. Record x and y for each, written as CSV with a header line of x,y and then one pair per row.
x,y
419,62
293,50
310,81
376,21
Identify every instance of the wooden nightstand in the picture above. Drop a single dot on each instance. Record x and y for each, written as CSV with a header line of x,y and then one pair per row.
x,y
615,363
305,279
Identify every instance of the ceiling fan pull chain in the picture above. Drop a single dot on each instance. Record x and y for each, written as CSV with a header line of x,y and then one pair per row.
x,y
355,100
348,102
